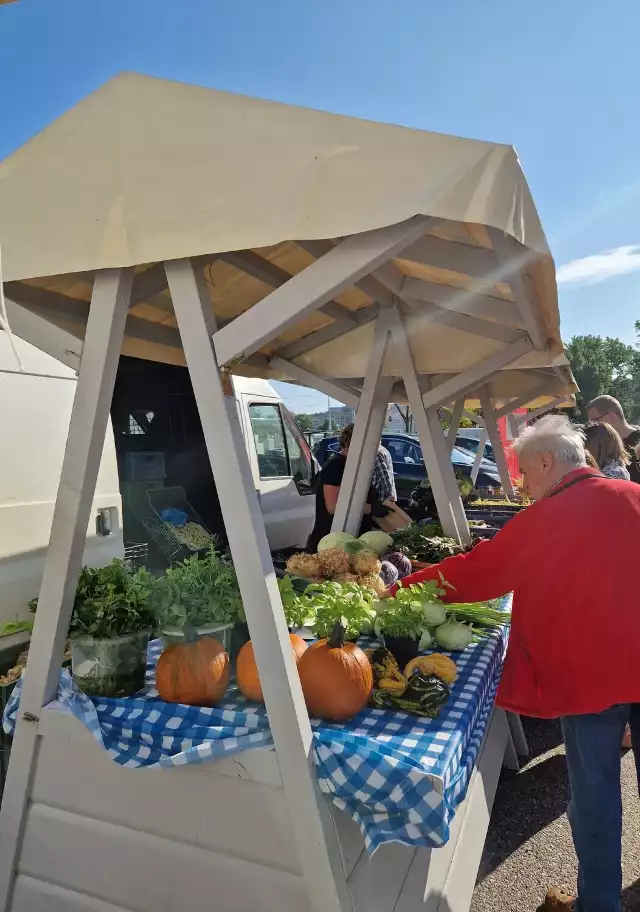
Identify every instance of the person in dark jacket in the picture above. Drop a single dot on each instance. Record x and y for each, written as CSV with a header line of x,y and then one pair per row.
x,y
328,489
570,559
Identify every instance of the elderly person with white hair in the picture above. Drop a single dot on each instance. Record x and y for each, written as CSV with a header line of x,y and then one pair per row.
x,y
570,559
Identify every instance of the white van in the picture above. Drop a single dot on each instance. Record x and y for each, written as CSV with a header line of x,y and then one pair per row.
x,y
154,441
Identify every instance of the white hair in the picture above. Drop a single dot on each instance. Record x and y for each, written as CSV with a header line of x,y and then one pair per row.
x,y
556,435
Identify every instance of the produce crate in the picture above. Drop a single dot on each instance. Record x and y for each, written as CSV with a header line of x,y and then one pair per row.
x,y
136,555
173,548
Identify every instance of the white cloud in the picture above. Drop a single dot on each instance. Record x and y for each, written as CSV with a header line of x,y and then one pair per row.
x,y
601,266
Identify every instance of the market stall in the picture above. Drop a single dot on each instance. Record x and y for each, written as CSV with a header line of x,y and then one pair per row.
x,y
253,238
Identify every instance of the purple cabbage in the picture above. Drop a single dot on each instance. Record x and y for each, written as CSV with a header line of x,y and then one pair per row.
x,y
388,573
400,561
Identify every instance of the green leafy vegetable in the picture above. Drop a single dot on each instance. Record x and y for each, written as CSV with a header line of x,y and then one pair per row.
x,y
298,608
198,592
15,626
346,603
377,540
111,601
418,544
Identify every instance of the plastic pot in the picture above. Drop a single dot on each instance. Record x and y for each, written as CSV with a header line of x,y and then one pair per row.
x,y
221,632
110,668
403,649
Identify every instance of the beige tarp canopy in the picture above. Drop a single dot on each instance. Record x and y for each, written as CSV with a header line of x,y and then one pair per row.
x,y
146,170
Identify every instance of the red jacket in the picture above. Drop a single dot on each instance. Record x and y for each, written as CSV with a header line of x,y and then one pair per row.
x,y
572,561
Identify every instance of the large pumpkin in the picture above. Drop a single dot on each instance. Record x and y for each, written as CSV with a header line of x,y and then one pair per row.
x,y
336,677
195,673
247,670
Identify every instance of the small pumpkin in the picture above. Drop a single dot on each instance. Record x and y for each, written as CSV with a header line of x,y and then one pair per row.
x,y
196,673
247,670
435,664
336,677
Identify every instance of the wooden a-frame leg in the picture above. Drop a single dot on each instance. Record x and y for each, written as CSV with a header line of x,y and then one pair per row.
x,y
309,811
496,442
435,451
367,429
89,419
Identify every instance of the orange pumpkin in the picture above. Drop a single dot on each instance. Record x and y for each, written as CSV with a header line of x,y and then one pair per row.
x,y
195,673
336,677
247,670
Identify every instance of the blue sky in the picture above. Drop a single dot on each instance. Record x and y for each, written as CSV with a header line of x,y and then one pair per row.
x,y
559,79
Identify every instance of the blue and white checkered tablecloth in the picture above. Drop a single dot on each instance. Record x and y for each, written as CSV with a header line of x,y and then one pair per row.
x,y
399,776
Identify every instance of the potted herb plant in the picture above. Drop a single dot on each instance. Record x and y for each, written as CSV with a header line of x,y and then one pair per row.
x,y
198,597
109,631
406,621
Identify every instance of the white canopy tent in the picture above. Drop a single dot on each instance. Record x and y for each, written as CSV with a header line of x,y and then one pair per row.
x,y
372,262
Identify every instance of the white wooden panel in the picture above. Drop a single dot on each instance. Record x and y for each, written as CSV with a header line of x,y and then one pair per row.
x,y
442,880
377,881
33,895
189,803
146,873
351,839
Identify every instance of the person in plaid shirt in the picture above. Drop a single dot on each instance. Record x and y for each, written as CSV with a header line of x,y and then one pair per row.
x,y
382,479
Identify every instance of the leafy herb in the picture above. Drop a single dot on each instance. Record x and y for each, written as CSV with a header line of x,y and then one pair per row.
x,y
14,626
346,603
298,608
413,609
198,592
418,545
111,601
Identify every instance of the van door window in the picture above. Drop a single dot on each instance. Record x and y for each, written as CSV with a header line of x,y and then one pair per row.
x,y
280,447
300,457
270,442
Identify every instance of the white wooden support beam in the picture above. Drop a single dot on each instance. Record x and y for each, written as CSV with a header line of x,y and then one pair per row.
x,y
496,443
367,429
395,281
371,287
45,335
273,275
460,300
468,379
478,420
526,398
334,388
514,427
87,429
513,259
311,822
433,442
454,423
305,292
327,333
475,469
465,259
536,413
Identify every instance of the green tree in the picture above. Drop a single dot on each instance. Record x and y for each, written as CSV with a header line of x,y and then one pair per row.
x,y
305,423
605,366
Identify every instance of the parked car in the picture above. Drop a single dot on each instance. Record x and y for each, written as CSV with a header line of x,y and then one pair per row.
x,y
469,439
408,465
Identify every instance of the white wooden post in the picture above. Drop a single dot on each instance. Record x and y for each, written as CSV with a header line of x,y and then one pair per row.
x,y
433,442
366,434
537,413
454,424
475,469
309,811
494,436
87,428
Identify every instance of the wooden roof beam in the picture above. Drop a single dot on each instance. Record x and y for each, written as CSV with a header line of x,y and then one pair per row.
x,y
459,300
333,388
479,373
513,259
305,292
273,275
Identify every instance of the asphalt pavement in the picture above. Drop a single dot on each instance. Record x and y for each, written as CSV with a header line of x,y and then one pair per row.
x,y
529,847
